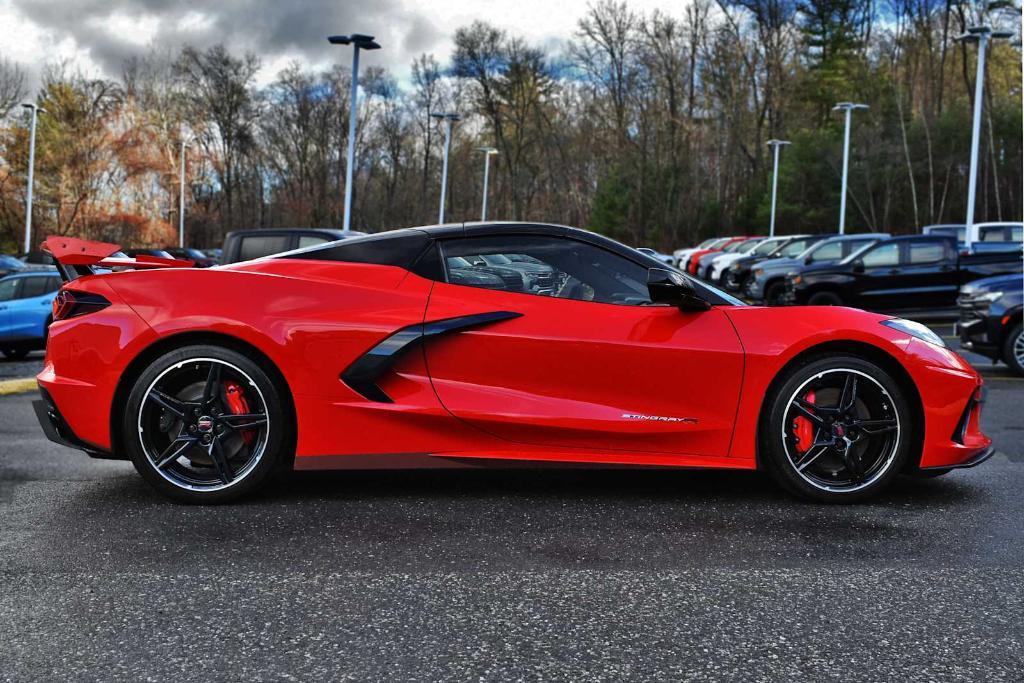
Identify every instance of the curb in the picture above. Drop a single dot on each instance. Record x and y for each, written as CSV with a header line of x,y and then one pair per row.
x,y
17,386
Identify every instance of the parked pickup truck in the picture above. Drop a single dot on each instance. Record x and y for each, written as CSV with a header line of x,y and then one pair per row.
x,y
900,273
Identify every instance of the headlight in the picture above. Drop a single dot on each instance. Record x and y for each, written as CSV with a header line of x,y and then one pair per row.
x,y
796,278
914,329
758,272
987,297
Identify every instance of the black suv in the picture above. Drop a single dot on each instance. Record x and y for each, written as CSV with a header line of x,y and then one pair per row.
x,y
990,319
245,245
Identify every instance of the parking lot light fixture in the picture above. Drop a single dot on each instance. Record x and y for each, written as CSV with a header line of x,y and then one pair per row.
x,y
450,118
488,153
775,145
848,108
980,35
181,195
358,41
35,109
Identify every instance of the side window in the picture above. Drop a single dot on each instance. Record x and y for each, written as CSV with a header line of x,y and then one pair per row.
x,y
9,288
827,252
1016,233
992,234
256,246
33,287
311,240
853,246
926,252
546,266
883,255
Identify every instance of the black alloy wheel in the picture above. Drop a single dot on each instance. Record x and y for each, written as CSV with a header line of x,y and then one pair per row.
x,y
205,424
839,430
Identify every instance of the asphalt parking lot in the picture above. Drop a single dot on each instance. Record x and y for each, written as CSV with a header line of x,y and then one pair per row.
x,y
491,575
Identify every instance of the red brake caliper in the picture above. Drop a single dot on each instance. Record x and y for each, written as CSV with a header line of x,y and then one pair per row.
x,y
238,406
803,428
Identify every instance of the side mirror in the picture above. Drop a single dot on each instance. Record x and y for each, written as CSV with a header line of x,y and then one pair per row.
x,y
669,287
858,266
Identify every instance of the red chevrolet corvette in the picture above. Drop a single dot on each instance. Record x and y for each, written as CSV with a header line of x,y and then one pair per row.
x,y
480,344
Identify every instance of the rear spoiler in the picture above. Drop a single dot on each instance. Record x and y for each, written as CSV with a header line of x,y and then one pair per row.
x,y
77,257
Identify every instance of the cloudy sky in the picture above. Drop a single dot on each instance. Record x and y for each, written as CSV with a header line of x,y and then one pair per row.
x,y
97,35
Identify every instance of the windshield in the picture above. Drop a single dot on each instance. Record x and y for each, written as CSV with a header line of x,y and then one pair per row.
x,y
858,249
959,232
768,246
748,246
794,248
10,262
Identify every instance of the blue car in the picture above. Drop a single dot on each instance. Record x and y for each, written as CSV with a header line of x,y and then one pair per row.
x,y
26,305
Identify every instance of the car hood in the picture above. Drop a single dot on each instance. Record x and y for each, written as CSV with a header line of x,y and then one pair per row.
x,y
993,284
781,264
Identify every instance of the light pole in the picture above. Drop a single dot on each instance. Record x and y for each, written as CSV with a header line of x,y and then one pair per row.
x,y
980,35
181,195
358,41
31,172
775,145
488,153
847,107
451,118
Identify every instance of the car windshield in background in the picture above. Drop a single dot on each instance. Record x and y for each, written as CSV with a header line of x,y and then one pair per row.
x,y
10,262
747,246
794,248
766,247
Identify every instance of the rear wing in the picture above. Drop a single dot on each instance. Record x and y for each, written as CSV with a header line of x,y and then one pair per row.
x,y
75,258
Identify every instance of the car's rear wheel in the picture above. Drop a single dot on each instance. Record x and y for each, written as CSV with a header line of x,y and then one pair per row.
x,y
774,293
838,430
1013,349
825,299
205,424
14,352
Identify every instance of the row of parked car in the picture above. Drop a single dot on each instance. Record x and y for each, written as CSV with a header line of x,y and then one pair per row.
x,y
933,273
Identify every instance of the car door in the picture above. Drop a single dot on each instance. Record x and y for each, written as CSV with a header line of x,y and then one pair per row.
x,y
929,272
591,364
9,289
878,277
30,309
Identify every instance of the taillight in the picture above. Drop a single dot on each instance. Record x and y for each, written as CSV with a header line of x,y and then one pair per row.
x,y
69,304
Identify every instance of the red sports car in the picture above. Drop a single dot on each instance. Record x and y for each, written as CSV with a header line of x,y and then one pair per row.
x,y
476,345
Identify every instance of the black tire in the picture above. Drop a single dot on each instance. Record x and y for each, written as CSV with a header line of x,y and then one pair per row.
x,y
1013,349
231,474
880,451
14,353
773,293
825,299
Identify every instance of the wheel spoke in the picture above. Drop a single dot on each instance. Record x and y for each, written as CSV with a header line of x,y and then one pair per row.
x,y
211,391
812,454
243,420
220,462
849,395
808,410
174,450
875,427
168,403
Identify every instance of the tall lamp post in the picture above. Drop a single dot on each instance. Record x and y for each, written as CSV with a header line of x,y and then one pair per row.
x,y
847,107
450,118
980,35
488,153
31,172
181,195
775,145
358,42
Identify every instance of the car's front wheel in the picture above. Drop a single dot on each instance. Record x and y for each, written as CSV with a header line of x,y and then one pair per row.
x,y
14,352
205,424
838,429
1013,351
